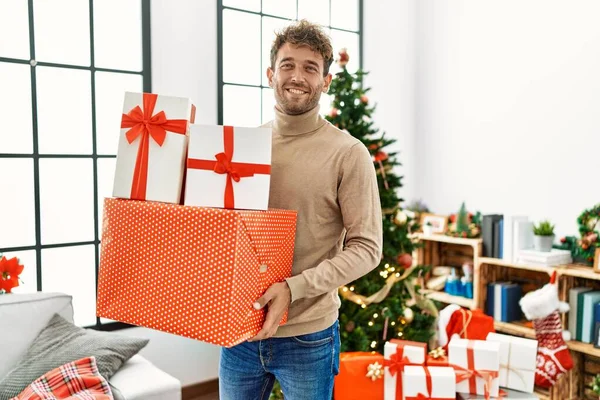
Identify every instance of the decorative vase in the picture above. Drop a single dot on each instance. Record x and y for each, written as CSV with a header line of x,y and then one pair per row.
x,y
427,229
543,243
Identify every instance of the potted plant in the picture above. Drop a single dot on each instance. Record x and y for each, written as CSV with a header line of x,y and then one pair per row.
x,y
543,236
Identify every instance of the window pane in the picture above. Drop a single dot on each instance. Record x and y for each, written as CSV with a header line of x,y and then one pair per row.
x,y
325,104
16,135
118,35
250,5
316,11
268,103
14,24
72,270
241,47
241,106
270,26
110,91
62,31
349,40
28,278
67,200
344,14
281,8
64,111
17,204
106,176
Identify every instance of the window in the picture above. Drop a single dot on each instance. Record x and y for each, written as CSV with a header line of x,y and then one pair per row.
x,y
246,31
62,78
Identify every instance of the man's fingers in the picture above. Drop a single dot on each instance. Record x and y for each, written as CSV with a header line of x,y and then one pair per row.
x,y
263,334
264,299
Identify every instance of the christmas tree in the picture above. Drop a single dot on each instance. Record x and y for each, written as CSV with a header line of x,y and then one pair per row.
x,y
385,303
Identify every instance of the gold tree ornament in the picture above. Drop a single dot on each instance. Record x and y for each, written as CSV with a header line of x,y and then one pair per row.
x,y
375,371
400,218
409,315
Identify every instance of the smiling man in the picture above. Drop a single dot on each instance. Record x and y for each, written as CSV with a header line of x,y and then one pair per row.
x,y
328,177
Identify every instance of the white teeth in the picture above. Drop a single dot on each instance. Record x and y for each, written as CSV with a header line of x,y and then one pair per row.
x,y
296,91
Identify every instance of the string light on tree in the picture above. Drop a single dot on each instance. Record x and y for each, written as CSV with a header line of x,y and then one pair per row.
x,y
384,288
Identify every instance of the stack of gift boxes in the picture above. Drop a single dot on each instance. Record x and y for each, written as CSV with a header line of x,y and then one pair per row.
x,y
472,369
188,241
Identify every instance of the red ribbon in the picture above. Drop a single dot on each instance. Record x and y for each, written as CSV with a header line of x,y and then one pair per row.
x,y
223,164
143,123
472,374
396,364
429,386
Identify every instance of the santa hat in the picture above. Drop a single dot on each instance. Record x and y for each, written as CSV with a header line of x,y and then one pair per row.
x,y
542,302
443,320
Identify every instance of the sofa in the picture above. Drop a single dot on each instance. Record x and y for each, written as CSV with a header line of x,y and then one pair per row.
x,y
24,316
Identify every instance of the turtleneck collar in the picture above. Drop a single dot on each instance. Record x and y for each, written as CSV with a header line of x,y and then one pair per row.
x,y
290,125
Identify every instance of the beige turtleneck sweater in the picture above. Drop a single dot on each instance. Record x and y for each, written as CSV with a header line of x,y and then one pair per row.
x,y
328,177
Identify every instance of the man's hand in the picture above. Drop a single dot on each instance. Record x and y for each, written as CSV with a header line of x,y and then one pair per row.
x,y
278,297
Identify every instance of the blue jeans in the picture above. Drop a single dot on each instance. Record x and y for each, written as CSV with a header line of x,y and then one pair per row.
x,y
304,365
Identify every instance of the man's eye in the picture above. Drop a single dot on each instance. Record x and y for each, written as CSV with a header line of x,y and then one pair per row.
x,y
311,69
286,66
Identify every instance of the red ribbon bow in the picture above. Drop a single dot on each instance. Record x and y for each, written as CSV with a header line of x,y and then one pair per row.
x,y
472,374
396,364
142,122
223,164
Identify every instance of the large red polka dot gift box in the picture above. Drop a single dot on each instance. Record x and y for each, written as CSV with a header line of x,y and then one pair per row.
x,y
152,147
191,271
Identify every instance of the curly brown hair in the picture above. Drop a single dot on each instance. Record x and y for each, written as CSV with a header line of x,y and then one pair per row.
x,y
308,34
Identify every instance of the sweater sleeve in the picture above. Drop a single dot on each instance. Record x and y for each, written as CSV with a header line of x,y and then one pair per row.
x,y
360,207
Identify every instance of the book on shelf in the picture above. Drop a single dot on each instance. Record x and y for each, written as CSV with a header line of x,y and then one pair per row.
x,y
575,312
491,240
503,301
545,258
509,229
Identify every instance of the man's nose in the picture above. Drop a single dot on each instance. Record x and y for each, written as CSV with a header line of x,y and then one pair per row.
x,y
297,75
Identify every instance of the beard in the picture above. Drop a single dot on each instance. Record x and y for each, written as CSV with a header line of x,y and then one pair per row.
x,y
294,104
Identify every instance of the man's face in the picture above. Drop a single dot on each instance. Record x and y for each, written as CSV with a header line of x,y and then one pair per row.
x,y
298,79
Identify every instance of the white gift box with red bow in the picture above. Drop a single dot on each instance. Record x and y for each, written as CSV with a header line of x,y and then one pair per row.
x,y
152,146
228,167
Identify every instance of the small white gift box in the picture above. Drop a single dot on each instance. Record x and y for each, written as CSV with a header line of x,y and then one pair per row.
x,y
517,361
479,360
228,167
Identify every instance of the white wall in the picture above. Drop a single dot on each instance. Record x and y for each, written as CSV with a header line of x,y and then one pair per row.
x,y
184,63
389,54
470,88
494,82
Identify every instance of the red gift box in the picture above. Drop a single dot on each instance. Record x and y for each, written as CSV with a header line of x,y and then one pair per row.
x,y
360,377
191,271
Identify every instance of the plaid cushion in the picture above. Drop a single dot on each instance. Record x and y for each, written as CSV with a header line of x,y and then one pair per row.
x,y
75,380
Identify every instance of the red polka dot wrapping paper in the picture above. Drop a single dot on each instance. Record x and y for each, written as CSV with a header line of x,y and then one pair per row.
x,y
191,271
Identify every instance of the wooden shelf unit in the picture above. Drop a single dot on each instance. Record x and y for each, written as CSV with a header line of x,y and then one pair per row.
x,y
446,250
446,298
586,358
442,250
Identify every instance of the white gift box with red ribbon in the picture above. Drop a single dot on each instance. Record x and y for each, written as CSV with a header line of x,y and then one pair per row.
x,y
398,354
476,363
517,361
228,167
152,147
422,382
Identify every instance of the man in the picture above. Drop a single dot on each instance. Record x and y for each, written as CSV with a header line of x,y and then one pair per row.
x,y
328,177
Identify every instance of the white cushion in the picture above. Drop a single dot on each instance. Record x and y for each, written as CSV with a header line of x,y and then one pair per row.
x,y
139,379
22,317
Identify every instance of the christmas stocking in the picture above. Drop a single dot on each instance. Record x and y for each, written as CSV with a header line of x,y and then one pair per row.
x,y
553,357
